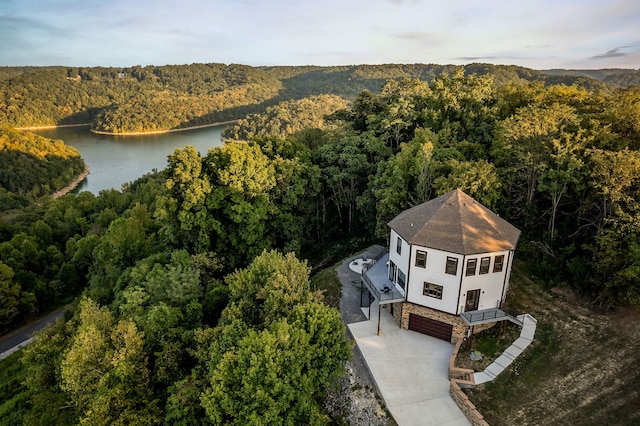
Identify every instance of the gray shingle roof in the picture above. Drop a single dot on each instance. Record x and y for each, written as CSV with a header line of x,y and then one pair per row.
x,y
456,223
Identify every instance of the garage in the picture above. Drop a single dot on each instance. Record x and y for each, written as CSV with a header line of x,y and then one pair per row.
x,y
430,327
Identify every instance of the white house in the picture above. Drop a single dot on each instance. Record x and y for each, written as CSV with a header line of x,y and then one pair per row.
x,y
447,256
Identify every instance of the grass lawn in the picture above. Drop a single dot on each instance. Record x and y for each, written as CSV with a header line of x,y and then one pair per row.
x,y
328,283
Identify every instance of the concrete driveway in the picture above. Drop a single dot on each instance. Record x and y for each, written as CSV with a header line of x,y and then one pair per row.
x,y
410,371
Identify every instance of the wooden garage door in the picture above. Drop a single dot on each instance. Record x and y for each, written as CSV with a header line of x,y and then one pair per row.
x,y
430,327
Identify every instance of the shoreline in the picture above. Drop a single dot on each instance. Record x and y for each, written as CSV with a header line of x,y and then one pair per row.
x,y
73,185
152,132
158,132
53,126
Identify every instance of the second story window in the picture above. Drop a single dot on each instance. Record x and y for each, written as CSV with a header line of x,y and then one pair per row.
x,y
421,259
484,265
402,279
452,266
399,246
471,267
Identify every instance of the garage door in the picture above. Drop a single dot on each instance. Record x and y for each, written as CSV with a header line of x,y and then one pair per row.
x,y
430,327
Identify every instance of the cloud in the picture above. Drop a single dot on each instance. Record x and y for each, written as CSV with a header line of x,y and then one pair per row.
x,y
613,53
490,58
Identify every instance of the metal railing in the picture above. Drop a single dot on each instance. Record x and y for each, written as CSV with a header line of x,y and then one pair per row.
x,y
382,291
487,315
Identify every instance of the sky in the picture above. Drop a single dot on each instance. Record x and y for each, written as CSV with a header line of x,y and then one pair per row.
x,y
538,34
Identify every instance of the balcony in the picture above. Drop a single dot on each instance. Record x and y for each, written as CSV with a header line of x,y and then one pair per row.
x,y
376,278
488,315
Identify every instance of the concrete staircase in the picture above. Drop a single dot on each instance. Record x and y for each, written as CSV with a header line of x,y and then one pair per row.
x,y
499,365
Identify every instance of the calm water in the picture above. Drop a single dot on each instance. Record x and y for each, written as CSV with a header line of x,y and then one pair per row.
x,y
115,160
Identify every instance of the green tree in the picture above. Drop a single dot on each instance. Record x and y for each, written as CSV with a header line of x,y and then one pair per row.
x,y
405,180
564,172
478,179
105,372
9,296
264,381
188,186
268,288
523,145
88,359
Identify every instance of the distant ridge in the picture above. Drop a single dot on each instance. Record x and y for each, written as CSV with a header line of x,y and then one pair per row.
x,y
152,98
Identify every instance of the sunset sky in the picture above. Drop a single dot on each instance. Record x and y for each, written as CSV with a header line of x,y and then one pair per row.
x,y
538,34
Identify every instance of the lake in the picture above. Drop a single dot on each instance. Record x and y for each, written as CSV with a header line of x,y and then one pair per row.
x,y
115,160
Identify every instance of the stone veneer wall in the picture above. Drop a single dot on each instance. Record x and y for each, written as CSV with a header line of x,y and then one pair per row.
x,y
397,312
462,377
459,326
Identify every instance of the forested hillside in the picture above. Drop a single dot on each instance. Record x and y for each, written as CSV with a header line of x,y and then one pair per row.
x,y
155,98
286,118
613,77
32,166
185,307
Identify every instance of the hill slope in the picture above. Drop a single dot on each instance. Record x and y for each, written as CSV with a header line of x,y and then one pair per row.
x,y
152,98
582,368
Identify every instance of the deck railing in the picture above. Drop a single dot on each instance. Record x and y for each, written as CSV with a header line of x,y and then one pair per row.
x,y
489,315
379,285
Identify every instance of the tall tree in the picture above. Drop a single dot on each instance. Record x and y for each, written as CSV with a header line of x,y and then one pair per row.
x,y
9,296
405,180
105,370
523,144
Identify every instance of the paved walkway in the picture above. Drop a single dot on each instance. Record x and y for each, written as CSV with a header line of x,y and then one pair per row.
x,y
409,369
512,352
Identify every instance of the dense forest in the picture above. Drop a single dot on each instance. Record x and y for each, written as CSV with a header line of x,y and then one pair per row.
x,y
32,166
191,289
155,98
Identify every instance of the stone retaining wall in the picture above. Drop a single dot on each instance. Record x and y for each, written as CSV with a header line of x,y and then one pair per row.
x,y
462,377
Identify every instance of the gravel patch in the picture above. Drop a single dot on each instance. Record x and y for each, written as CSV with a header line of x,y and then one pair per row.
x,y
357,401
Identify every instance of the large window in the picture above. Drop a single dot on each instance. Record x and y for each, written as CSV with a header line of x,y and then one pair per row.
x,y
399,246
421,259
471,267
402,278
484,265
498,263
452,266
432,290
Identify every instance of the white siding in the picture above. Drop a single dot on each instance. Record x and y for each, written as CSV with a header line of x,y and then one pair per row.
x,y
490,284
454,287
434,273
400,260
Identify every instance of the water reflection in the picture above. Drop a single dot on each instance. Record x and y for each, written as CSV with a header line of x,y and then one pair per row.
x,y
115,160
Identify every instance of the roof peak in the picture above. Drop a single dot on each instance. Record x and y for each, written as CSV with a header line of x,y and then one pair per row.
x,y
455,222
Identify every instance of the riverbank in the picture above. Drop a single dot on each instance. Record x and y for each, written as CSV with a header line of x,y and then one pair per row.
x,y
59,126
73,185
160,132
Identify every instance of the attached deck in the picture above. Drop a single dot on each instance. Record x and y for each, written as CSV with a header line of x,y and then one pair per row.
x,y
375,277
488,315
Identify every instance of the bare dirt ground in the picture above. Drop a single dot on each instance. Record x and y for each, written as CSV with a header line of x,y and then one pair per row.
x,y
583,367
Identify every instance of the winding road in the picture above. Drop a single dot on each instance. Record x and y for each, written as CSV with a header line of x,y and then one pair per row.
x,y
21,337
